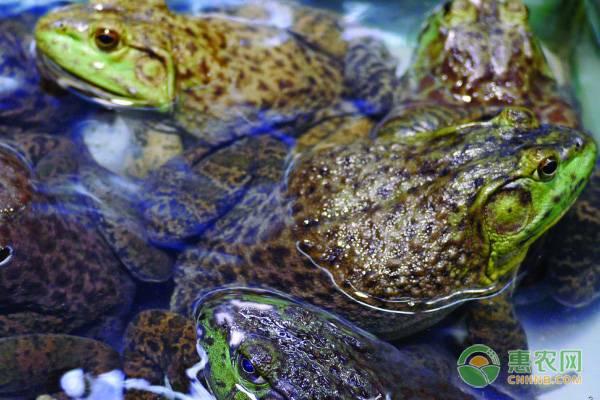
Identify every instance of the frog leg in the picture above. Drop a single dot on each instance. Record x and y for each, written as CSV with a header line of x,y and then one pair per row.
x,y
121,224
571,254
320,28
187,195
493,322
370,75
416,120
50,155
31,365
159,346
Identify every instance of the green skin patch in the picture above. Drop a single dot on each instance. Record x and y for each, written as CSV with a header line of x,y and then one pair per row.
x,y
226,379
101,58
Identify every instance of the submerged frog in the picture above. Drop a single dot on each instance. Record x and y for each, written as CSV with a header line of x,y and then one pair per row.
x,y
221,76
52,260
83,188
474,58
25,100
376,228
264,345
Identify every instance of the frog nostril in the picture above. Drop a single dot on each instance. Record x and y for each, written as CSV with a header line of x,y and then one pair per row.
x,y
5,254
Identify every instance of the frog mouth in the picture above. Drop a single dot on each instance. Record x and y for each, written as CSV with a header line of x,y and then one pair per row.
x,y
83,88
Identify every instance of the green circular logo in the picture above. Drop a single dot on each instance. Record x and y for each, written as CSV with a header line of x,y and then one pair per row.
x,y
478,365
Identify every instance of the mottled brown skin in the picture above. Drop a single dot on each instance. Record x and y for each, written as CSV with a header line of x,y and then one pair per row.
x,y
231,76
160,345
473,59
30,103
108,201
47,283
32,365
349,193
113,202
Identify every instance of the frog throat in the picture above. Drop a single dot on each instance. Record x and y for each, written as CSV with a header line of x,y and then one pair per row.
x,y
517,213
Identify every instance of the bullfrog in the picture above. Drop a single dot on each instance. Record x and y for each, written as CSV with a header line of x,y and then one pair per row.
x,y
472,59
221,76
384,231
26,100
265,345
46,283
76,182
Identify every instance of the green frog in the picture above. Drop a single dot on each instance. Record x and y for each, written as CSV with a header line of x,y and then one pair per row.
x,y
263,345
474,58
384,231
222,76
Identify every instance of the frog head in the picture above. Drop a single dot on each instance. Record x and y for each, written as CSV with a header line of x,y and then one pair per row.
x,y
550,173
266,345
115,52
482,51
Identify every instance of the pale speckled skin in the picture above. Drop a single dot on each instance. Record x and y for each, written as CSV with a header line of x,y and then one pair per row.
x,y
47,282
299,351
473,58
405,224
222,76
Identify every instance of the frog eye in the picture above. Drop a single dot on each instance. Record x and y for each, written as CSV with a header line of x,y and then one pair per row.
x,y
107,39
547,168
248,371
5,254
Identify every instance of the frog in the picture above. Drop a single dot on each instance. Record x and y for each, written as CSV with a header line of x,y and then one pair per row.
x,y
215,75
474,58
254,344
108,201
54,354
47,282
27,101
391,233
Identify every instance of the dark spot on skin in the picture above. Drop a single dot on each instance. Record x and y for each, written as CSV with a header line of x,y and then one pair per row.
x,y
209,341
556,199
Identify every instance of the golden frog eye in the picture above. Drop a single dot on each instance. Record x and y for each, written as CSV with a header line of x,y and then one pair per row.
x,y
107,39
547,168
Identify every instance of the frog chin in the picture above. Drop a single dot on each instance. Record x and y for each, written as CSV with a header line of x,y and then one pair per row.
x,y
89,91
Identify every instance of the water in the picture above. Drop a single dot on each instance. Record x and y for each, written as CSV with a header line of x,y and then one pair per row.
x,y
116,142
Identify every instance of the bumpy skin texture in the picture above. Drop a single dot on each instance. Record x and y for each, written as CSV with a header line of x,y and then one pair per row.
x,y
47,283
25,101
31,365
296,351
222,76
276,348
403,226
160,345
473,58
